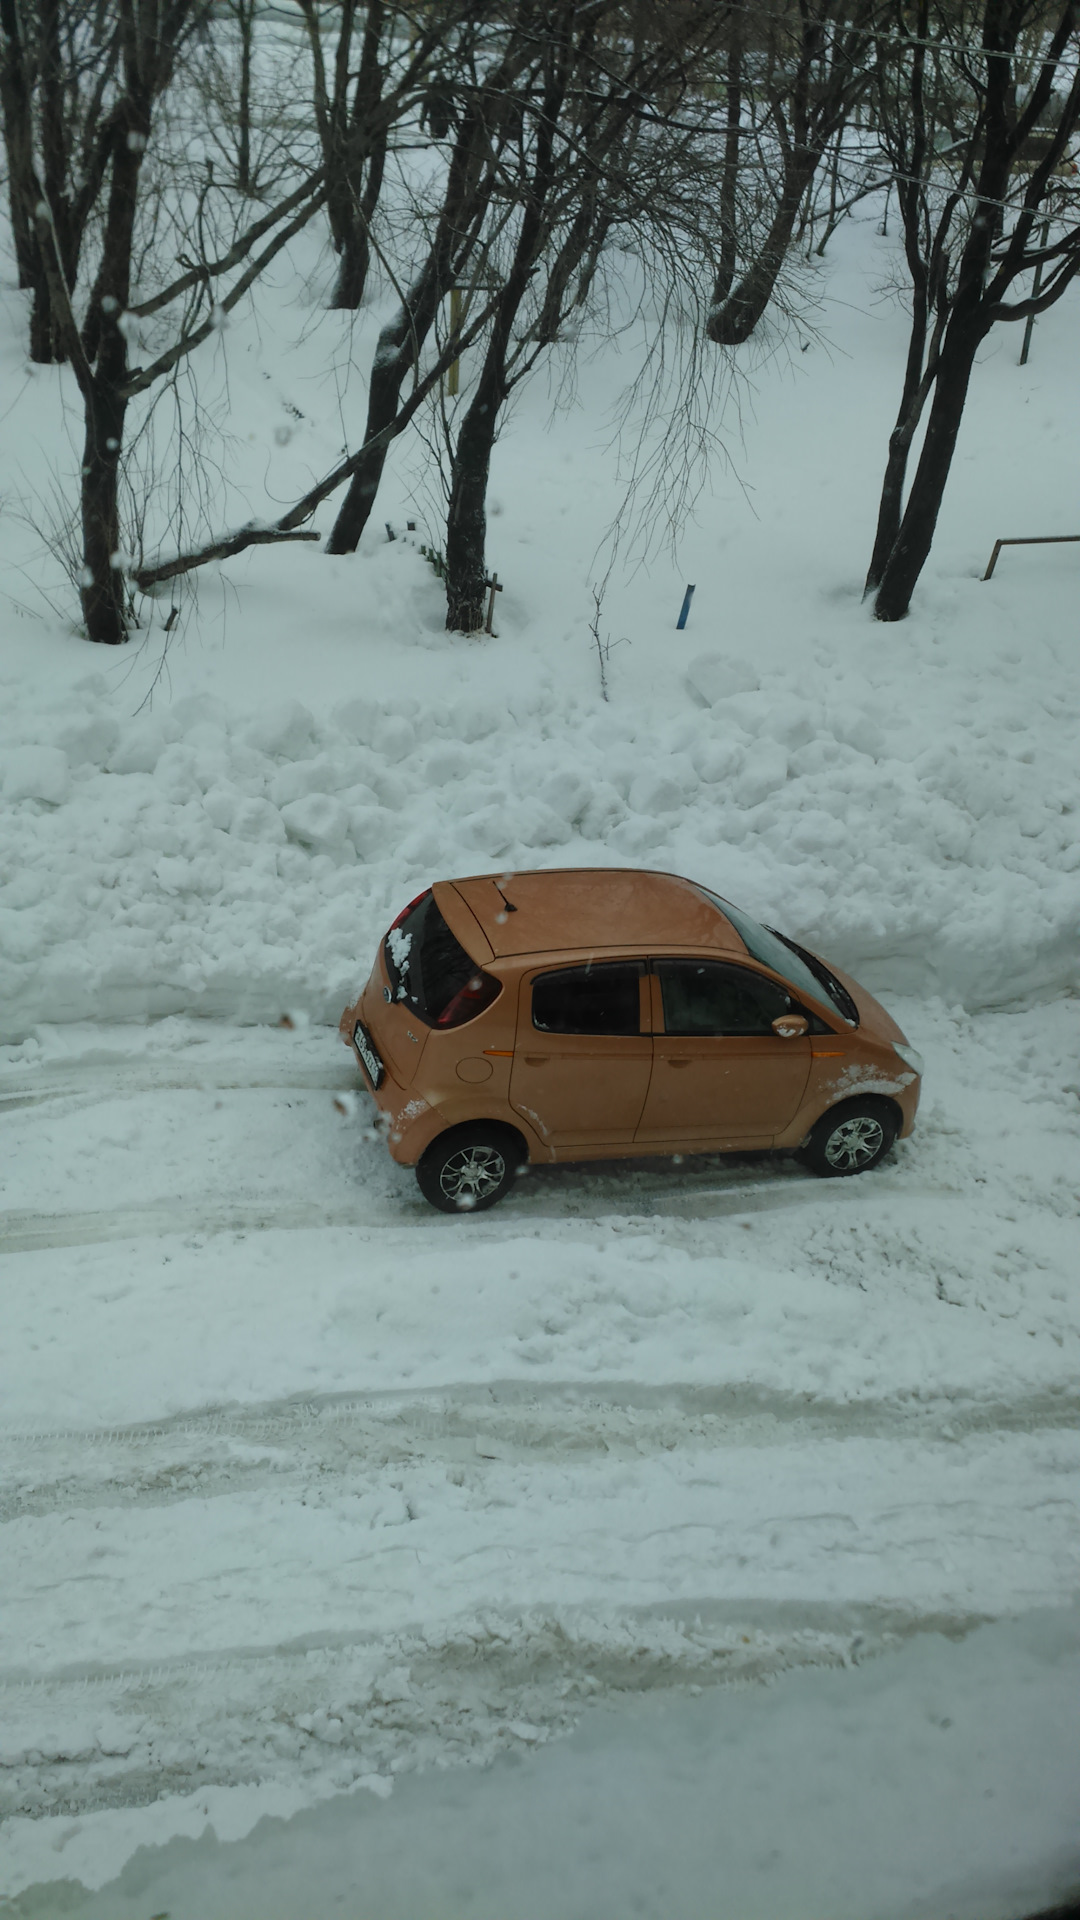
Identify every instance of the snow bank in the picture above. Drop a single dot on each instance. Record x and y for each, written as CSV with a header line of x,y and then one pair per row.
x,y
194,859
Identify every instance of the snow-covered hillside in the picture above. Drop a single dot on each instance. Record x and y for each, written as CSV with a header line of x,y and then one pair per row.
x,y
223,825
308,1488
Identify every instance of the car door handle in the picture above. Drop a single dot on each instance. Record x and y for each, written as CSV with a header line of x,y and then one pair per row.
x,y
677,1063
536,1059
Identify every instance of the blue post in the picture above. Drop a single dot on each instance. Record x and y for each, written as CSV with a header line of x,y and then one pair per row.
x,y
681,621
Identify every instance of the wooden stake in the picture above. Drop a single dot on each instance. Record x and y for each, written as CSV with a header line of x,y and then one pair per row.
x,y
1043,242
495,588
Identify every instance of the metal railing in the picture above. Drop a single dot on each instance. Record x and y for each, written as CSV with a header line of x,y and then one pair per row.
x,y
1033,540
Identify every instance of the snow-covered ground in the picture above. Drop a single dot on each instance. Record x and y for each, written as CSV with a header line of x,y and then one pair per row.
x,y
307,1485
308,1488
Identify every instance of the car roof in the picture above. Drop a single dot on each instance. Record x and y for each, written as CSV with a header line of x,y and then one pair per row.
x,y
592,908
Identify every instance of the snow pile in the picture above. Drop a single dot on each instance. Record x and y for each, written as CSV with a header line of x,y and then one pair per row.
x,y
194,859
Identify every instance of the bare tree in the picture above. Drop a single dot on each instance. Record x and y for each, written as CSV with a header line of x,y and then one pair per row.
x,y
567,129
150,39
601,150
16,106
800,70
59,100
915,116
151,573
244,15
393,66
243,70
486,116
969,219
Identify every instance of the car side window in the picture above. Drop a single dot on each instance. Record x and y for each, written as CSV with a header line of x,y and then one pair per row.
x,y
594,999
706,996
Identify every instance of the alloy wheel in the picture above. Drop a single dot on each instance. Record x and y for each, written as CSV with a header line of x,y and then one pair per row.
x,y
472,1174
854,1143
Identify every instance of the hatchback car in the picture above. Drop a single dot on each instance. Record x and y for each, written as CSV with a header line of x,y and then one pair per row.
x,y
593,1013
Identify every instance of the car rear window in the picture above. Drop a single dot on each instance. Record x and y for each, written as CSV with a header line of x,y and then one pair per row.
x,y
427,966
593,999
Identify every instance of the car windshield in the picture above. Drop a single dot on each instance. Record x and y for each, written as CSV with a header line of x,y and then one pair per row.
x,y
426,964
800,969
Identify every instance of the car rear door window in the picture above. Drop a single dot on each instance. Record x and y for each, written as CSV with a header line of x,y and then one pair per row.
x,y
593,999
706,996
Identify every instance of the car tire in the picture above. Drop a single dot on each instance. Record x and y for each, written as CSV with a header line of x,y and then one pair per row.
x,y
468,1169
850,1139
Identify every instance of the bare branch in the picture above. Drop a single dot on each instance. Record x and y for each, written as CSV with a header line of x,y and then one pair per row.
x,y
60,294
217,550
452,351
288,527
209,269
146,376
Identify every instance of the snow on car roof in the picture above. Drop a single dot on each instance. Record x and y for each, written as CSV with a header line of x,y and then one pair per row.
x,y
592,907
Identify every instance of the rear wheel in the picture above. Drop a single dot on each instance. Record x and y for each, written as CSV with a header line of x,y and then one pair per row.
x,y
850,1139
468,1169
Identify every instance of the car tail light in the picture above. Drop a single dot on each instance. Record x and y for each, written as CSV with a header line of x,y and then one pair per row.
x,y
405,911
469,1000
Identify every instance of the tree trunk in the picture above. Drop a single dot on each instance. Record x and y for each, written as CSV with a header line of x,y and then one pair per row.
x,y
909,147
352,271
466,517
912,401
466,520
915,537
105,407
15,107
735,315
834,219
45,345
46,334
399,345
245,19
359,158
353,224
729,178
892,499
355,511
102,591
400,342
21,229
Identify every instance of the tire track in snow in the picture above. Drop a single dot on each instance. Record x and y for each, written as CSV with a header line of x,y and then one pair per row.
x,y
33,1231
700,1622
345,1708
89,1091
432,1538
284,1444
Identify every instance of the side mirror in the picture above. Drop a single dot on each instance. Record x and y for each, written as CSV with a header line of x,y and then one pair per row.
x,y
791,1026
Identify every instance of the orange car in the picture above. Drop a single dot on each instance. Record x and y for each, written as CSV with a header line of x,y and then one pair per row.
x,y
592,1013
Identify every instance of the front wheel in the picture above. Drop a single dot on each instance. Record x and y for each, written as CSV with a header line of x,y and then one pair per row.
x,y
469,1168
850,1139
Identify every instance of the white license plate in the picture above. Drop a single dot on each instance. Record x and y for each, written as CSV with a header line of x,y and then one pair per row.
x,y
372,1065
